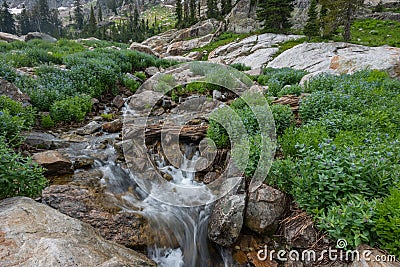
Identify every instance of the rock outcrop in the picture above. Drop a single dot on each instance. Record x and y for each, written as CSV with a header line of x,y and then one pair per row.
x,y
143,48
40,35
13,92
178,42
242,18
254,51
33,234
339,57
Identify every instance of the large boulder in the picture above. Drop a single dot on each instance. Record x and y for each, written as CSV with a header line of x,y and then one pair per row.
x,y
13,92
254,51
226,219
265,207
40,35
372,257
97,209
44,141
181,47
339,57
54,162
8,37
113,126
33,234
143,48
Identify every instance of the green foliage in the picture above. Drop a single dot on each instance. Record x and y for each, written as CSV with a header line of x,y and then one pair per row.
x,y
312,26
307,136
374,32
283,117
276,79
281,174
351,220
28,114
47,121
141,75
6,72
107,117
71,109
274,15
132,84
240,66
19,176
387,220
290,90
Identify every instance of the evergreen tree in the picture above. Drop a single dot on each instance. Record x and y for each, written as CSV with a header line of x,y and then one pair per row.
x,y
92,22
43,11
100,14
112,4
274,14
78,14
212,9
55,23
7,22
312,28
226,7
24,22
178,13
192,6
340,13
186,16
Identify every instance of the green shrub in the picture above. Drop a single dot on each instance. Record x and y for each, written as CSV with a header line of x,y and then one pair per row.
x,y
281,174
387,221
7,72
141,75
19,176
309,136
11,128
351,220
240,66
47,121
283,117
28,114
290,90
71,109
107,117
131,84
321,103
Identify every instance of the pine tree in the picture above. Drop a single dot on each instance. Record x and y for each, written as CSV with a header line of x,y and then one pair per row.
x,y
55,23
111,4
24,22
92,22
226,7
340,13
312,28
186,16
100,14
7,22
44,16
192,6
212,9
178,13
78,14
274,14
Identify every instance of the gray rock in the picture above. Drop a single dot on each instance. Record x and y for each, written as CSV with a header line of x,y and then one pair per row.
x,y
144,100
339,58
13,92
90,128
40,35
118,101
44,141
254,51
265,207
242,18
143,48
226,220
195,55
83,162
217,95
179,59
54,162
299,231
33,234
151,71
8,37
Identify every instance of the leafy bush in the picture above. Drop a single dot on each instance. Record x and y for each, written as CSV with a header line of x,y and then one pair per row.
x,y
281,174
321,103
351,220
387,222
47,121
28,113
19,176
7,72
290,90
141,75
11,128
283,117
131,84
240,66
71,109
286,76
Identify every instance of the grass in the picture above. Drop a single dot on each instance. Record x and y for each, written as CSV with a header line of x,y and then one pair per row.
x,y
165,16
374,32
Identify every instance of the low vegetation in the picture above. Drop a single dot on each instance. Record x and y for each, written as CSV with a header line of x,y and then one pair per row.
x,y
341,163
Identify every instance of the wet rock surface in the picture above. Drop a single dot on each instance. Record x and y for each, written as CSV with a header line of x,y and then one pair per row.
x,y
33,234
54,162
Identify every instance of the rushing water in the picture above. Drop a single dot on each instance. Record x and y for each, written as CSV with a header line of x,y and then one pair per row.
x,y
180,232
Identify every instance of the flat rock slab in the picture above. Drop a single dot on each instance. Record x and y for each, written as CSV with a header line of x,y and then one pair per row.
x,y
54,162
33,234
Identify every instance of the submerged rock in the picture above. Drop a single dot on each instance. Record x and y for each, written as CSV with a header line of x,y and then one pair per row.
x,y
90,128
113,126
33,234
